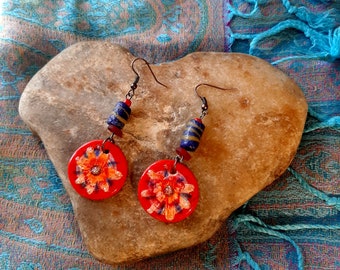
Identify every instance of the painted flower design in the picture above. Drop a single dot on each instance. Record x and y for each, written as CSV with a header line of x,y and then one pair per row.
x,y
96,170
168,193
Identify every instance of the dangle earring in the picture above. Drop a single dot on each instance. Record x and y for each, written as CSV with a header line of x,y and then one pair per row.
x,y
167,189
98,169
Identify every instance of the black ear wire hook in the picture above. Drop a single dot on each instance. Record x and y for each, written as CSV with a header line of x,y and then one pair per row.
x,y
204,106
133,86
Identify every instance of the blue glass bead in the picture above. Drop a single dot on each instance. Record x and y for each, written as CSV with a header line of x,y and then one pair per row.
x,y
120,115
192,135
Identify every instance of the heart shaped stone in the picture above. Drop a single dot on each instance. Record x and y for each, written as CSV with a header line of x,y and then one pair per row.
x,y
252,133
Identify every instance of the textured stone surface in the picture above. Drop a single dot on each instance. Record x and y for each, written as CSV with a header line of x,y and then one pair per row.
x,y
252,133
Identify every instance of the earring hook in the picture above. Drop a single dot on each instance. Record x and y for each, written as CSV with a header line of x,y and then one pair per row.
x,y
149,67
133,86
204,106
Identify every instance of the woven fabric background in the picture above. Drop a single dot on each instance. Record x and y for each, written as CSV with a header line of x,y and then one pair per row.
x,y
37,226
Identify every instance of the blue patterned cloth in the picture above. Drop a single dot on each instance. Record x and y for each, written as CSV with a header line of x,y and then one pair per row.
x,y
292,224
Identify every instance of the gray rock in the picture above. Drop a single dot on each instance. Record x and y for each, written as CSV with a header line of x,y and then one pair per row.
x,y
252,134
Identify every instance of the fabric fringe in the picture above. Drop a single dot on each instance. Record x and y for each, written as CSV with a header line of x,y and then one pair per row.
x,y
325,39
323,21
319,28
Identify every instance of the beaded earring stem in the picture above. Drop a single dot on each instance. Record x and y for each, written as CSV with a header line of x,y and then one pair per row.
x,y
98,169
168,190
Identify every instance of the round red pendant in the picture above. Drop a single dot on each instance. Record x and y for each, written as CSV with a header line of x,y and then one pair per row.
x,y
95,173
166,194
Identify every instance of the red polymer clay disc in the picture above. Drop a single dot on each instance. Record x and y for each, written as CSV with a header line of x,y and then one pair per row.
x,y
168,196
95,173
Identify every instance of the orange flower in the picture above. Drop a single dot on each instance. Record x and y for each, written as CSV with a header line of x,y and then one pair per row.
x,y
96,169
168,193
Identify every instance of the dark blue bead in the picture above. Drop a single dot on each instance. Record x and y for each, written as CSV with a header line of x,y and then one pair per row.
x,y
120,115
192,135
189,145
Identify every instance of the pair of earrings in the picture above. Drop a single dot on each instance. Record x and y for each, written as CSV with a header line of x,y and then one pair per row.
x,y
167,189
